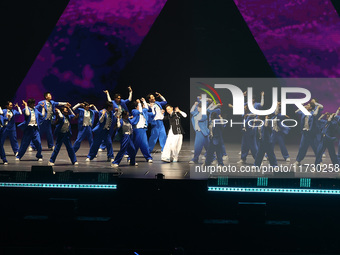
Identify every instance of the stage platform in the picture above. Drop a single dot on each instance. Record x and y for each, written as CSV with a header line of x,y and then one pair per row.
x,y
178,170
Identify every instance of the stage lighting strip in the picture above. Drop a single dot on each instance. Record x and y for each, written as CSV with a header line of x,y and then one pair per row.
x,y
57,185
276,190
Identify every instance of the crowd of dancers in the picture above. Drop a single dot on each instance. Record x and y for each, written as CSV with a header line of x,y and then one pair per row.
x,y
114,121
318,130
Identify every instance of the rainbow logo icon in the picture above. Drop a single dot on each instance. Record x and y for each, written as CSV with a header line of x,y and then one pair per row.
x,y
213,92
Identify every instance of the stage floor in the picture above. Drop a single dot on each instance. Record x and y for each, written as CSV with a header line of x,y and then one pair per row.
x,y
179,170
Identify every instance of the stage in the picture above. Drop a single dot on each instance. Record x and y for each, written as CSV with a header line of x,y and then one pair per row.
x,y
178,170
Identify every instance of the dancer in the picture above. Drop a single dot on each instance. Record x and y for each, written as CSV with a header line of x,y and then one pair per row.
x,y
248,137
200,125
9,129
308,129
329,130
119,104
215,144
63,133
140,124
174,140
126,145
2,151
31,127
265,144
86,117
157,125
46,123
102,132
279,132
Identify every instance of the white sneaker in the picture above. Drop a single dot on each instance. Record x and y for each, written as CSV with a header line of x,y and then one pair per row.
x,y
297,163
240,153
265,159
241,161
136,164
50,163
166,160
226,157
287,159
17,159
126,156
5,163
175,160
324,155
87,159
40,160
100,150
115,165
150,161
203,158
30,148
76,163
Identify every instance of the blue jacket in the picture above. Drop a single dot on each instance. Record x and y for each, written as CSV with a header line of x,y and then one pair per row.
x,y
329,129
152,116
202,123
27,120
81,113
265,134
135,113
282,128
61,122
10,124
122,103
100,126
53,103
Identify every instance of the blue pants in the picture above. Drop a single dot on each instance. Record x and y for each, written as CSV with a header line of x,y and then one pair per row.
x,y
326,144
103,144
30,134
66,139
223,149
248,143
83,132
279,137
157,132
12,134
140,140
200,142
46,128
307,139
212,148
339,151
98,138
126,145
265,147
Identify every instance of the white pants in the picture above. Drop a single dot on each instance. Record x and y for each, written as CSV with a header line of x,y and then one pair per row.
x,y
172,145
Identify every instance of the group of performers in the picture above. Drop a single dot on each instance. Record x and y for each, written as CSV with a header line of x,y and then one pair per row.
x,y
318,131
98,127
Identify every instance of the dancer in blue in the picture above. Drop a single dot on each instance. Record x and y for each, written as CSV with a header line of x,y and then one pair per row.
x,y
308,125
31,127
119,104
200,125
215,141
140,124
45,124
2,151
63,133
329,131
9,129
157,125
102,132
126,144
279,132
248,137
265,144
86,117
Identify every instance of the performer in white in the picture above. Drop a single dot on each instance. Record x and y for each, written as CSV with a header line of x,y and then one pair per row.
x,y
174,140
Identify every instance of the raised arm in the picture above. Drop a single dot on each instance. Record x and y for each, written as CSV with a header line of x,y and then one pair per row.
x,y
130,93
317,110
262,98
101,119
193,108
107,95
181,112
94,107
76,106
27,111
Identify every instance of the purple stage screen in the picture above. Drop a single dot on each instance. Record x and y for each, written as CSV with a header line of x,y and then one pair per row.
x,y
90,45
299,38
